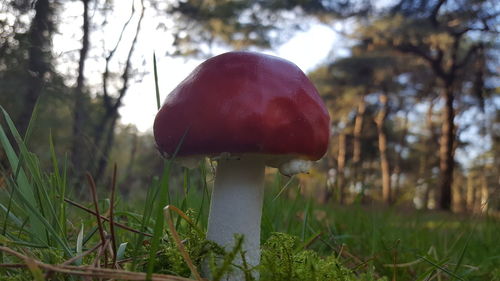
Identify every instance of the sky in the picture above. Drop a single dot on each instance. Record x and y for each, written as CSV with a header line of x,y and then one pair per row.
x,y
139,105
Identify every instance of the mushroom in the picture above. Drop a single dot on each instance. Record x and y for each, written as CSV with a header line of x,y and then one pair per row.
x,y
245,110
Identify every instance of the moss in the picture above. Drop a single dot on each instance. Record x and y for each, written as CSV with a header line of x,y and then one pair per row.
x,y
281,260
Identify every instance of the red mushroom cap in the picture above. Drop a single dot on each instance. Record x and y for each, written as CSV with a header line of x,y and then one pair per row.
x,y
244,102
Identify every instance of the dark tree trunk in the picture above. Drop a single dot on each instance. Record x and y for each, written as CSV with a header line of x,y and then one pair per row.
x,y
106,147
79,117
40,35
446,151
382,147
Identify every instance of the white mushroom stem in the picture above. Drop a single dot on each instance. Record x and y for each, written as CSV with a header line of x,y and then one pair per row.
x,y
236,207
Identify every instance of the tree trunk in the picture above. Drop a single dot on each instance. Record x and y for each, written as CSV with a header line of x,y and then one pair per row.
x,y
485,195
40,35
341,167
426,168
106,148
79,118
358,129
446,151
382,147
397,163
470,192
457,196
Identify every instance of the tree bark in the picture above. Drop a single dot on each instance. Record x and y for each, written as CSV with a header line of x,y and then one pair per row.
x,y
397,163
382,147
40,35
426,168
485,195
446,151
106,148
469,199
358,130
79,115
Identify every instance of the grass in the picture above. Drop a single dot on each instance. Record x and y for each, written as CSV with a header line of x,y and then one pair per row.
x,y
43,235
42,238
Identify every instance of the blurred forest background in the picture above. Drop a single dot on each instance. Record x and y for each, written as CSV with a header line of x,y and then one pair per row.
x,y
413,95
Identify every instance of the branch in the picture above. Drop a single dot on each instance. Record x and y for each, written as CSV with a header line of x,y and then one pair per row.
x,y
471,52
435,63
435,12
105,76
125,74
454,59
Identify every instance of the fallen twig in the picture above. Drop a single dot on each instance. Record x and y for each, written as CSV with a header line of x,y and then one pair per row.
x,y
89,271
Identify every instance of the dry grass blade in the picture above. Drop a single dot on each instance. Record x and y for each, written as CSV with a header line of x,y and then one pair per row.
x,y
49,273
178,242
92,272
93,191
122,226
102,252
104,241
407,264
71,260
34,268
12,265
111,216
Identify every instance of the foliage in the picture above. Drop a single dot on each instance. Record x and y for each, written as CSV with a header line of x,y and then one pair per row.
x,y
246,24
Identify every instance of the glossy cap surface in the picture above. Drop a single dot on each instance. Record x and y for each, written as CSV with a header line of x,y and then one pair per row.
x,y
244,102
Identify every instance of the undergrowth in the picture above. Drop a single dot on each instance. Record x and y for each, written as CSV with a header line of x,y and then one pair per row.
x,y
46,235
41,238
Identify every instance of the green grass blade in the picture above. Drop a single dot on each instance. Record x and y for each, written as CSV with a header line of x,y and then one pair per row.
x,y
157,87
159,223
79,245
164,199
22,182
146,216
306,219
185,188
29,130
47,225
9,216
443,269
464,250
60,188
120,253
